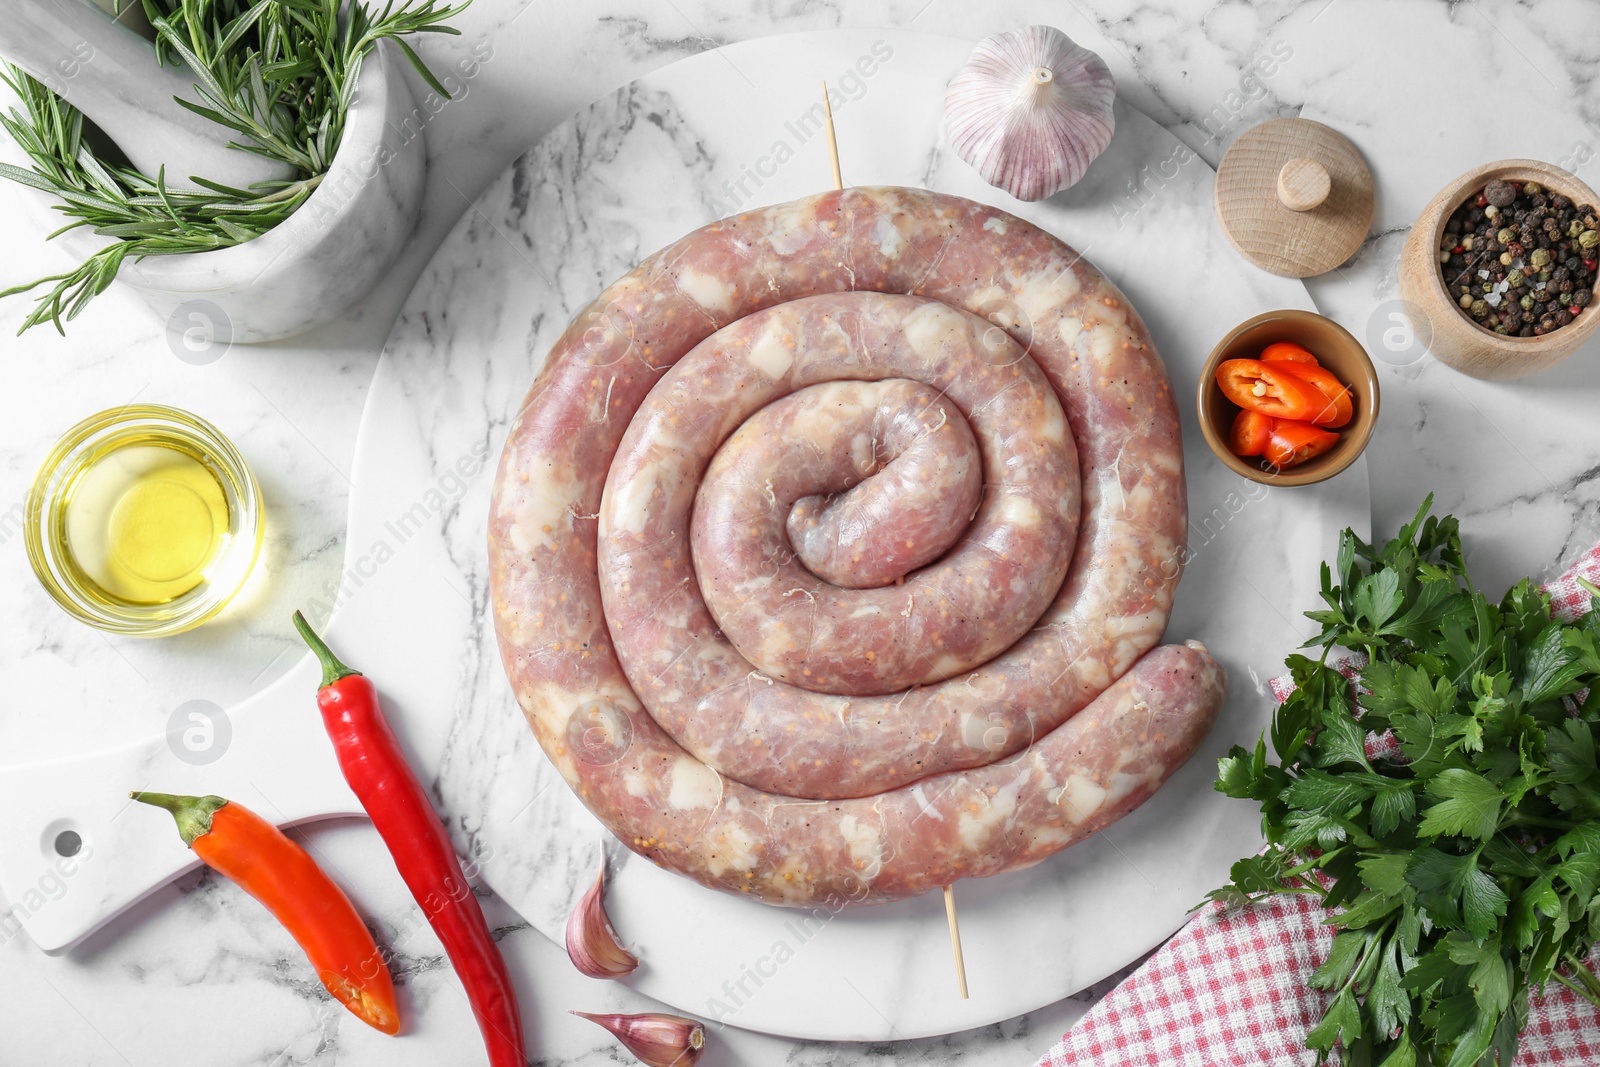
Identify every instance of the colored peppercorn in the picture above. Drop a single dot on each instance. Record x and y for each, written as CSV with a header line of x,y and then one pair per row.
x,y
1516,257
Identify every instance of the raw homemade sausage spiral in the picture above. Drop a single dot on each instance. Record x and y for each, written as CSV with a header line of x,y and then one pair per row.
x,y
830,547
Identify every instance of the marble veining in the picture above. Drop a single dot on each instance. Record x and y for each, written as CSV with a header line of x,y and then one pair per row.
x,y
1516,461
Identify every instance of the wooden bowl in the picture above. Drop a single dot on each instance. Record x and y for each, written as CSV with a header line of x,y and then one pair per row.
x,y
1335,349
1459,342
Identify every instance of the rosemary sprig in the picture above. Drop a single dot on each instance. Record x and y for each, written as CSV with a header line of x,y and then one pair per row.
x,y
280,73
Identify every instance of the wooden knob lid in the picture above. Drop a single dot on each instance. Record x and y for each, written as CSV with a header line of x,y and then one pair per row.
x,y
1303,184
1294,197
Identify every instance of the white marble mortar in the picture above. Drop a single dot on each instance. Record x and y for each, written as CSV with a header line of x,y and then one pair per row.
x,y
327,255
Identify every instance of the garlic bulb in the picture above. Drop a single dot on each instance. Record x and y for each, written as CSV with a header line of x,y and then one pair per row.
x,y
657,1040
1031,110
592,943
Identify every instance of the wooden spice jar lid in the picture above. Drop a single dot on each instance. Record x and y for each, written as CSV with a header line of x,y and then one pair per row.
x,y
1294,196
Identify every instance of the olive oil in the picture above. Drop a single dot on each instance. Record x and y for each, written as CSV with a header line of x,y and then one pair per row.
x,y
144,521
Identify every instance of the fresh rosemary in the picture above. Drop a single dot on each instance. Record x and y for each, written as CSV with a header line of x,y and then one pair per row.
x,y
281,73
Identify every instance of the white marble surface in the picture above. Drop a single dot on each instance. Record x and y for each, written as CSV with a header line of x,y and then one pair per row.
x,y
194,975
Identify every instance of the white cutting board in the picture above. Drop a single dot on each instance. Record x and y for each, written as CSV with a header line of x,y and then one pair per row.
x,y
717,132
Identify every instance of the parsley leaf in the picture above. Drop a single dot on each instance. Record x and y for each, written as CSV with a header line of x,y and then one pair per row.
x,y
1454,892
1378,598
1319,791
1385,872
1388,1000
1391,806
1550,667
1469,805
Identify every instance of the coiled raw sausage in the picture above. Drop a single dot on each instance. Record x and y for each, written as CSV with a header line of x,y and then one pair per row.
x,y
682,594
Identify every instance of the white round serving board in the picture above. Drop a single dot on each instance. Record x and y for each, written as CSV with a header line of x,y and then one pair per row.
x,y
636,170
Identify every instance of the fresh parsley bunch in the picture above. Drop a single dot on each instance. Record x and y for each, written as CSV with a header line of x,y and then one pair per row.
x,y
1464,875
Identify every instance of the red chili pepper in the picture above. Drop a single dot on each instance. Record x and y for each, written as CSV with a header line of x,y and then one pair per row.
x,y
251,852
376,768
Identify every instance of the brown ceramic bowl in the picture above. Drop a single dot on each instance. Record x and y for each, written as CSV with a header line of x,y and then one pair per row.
x,y
1335,349
1459,342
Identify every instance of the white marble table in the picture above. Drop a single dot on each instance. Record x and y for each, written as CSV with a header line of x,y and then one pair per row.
x,y
196,974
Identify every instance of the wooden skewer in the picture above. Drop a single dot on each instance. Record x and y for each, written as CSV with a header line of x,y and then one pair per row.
x,y
949,891
955,939
833,141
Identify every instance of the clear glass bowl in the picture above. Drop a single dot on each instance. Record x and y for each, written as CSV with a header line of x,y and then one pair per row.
x,y
87,444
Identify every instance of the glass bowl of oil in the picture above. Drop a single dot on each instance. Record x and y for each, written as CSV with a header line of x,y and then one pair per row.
x,y
144,521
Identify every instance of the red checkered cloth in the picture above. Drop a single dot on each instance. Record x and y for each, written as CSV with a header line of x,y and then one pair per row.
x,y
1229,989
1568,599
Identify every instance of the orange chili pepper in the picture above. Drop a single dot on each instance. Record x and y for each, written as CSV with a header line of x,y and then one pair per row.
x,y
1288,352
1340,408
1251,432
236,842
1270,388
1293,443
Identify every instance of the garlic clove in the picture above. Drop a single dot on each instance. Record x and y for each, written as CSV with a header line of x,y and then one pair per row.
x,y
1031,110
592,943
657,1040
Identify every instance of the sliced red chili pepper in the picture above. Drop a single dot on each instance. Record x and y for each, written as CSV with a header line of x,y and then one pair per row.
x,y
1270,388
1293,442
242,846
1251,430
373,763
1339,408
1288,352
